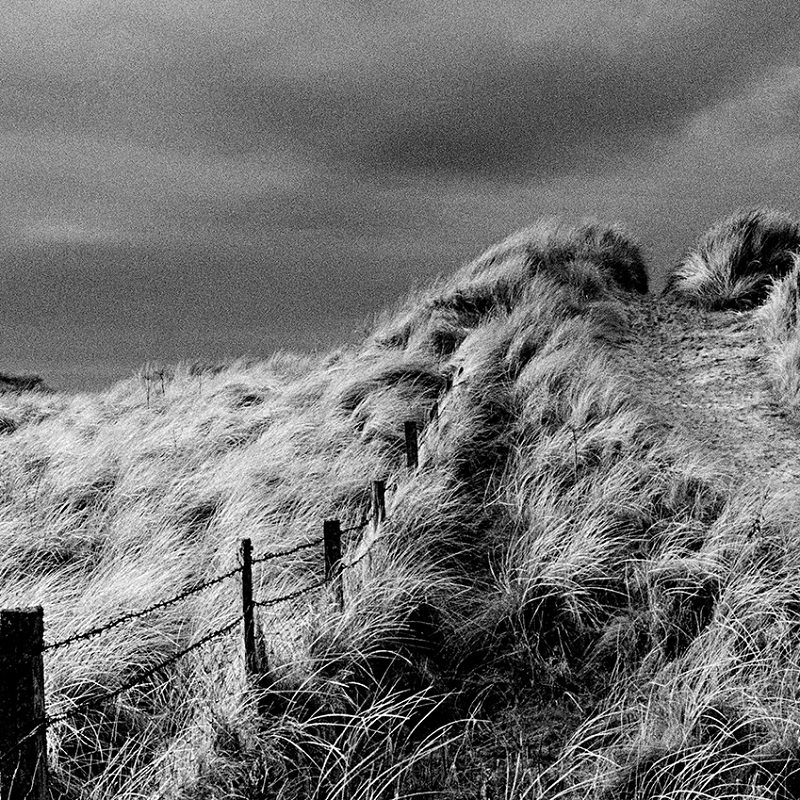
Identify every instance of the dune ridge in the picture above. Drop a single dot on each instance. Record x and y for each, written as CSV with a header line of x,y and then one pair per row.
x,y
572,597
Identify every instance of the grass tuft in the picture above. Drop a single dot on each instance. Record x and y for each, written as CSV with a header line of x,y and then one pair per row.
x,y
735,261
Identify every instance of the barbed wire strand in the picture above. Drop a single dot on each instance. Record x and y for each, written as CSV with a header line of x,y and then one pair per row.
x,y
291,596
88,634
96,631
207,584
280,554
52,719
318,584
141,676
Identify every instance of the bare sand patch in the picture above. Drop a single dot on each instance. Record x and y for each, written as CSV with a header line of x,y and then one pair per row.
x,y
702,373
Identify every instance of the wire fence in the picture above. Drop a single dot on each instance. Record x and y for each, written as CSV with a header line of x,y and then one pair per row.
x,y
358,526
201,587
283,553
334,568
273,601
96,631
142,676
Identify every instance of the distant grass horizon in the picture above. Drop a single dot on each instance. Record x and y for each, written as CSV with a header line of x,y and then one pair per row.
x,y
85,343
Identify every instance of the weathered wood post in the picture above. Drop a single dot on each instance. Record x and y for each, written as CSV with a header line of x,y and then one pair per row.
x,y
23,742
248,616
412,450
378,504
332,534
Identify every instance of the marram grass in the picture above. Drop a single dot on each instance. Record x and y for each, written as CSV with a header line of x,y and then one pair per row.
x,y
736,260
564,602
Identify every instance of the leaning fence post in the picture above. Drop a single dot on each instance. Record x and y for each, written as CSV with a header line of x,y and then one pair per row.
x,y
250,658
378,510
412,451
332,533
23,742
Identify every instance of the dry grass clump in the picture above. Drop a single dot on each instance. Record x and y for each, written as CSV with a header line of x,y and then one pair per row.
x,y
590,260
737,259
564,601
567,251
720,718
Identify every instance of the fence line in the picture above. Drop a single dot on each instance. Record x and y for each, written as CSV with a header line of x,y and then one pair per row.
x,y
141,676
88,634
96,631
138,679
144,675
334,568
283,553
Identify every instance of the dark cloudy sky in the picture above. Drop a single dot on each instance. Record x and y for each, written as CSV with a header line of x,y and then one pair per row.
x,y
209,178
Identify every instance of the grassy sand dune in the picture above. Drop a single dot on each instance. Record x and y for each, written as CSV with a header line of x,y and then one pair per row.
x,y
750,261
566,601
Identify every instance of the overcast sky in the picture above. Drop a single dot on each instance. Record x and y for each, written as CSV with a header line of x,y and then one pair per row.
x,y
184,178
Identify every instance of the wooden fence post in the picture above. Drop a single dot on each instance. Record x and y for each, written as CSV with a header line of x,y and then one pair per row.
x,y
23,742
378,510
250,657
412,451
333,559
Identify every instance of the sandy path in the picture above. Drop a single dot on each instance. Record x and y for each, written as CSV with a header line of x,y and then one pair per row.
x,y
701,373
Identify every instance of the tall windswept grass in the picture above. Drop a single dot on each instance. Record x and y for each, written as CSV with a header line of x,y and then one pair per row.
x,y
587,260
559,248
565,601
736,260
719,718
115,501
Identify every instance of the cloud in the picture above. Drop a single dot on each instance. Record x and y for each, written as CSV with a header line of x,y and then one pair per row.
x,y
184,176
765,112
477,100
458,88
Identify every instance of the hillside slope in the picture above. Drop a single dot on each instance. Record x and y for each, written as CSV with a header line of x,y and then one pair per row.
x,y
565,600
703,374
